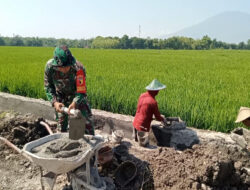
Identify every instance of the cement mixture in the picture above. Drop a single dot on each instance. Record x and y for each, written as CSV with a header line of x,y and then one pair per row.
x,y
211,165
61,148
64,147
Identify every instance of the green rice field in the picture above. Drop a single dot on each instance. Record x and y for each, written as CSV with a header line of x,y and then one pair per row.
x,y
204,88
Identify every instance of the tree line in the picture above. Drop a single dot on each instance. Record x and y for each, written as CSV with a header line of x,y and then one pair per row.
x,y
126,42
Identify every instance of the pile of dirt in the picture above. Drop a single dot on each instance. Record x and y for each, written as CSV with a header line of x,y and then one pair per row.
x,y
213,165
21,129
16,172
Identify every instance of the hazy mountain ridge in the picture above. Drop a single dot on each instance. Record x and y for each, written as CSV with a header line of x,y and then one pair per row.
x,y
232,27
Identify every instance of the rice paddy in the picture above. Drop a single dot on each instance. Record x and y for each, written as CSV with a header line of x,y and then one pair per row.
x,y
204,88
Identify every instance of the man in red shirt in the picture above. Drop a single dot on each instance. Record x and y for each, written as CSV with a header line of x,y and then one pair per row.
x,y
147,107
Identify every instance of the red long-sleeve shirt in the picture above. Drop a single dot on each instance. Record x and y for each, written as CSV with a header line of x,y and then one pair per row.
x,y
147,107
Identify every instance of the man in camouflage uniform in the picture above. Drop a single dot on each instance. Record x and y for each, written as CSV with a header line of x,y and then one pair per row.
x,y
61,89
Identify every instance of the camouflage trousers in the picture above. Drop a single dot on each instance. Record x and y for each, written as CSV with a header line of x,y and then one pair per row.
x,y
83,106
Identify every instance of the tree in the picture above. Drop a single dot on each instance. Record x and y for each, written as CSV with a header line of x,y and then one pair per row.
x,y
205,42
33,41
148,44
241,45
177,43
248,44
213,44
172,43
84,43
2,42
137,43
232,46
155,43
17,41
62,41
125,42
106,43
73,43
49,42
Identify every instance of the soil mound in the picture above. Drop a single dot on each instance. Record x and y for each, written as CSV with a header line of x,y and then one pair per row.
x,y
213,165
21,129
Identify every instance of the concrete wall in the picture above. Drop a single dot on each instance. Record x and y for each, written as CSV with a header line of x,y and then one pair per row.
x,y
42,108
25,105
102,119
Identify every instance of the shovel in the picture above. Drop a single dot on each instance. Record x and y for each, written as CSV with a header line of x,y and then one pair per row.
x,y
77,123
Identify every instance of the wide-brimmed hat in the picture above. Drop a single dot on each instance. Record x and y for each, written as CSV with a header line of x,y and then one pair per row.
x,y
155,85
243,114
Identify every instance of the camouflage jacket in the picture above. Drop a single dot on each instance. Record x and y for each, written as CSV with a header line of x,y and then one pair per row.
x,y
61,87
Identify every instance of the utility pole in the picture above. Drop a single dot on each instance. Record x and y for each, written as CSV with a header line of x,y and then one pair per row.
x,y
139,31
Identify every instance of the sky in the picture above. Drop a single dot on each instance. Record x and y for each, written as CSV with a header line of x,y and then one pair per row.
x,y
76,19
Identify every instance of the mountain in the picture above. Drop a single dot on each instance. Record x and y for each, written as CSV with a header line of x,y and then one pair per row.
x,y
231,27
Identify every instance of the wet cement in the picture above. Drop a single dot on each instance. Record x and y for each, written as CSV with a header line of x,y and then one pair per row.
x,y
62,148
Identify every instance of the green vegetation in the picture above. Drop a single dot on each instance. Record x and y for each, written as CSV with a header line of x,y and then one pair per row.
x,y
126,43
204,88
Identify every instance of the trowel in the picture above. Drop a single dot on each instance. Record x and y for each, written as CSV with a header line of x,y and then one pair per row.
x,y
76,124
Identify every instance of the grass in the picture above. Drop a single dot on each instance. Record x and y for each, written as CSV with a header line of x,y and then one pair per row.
x,y
204,88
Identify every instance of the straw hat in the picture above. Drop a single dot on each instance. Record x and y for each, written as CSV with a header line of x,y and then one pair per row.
x,y
244,113
155,85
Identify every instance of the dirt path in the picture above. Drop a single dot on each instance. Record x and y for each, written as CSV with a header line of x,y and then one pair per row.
x,y
18,174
